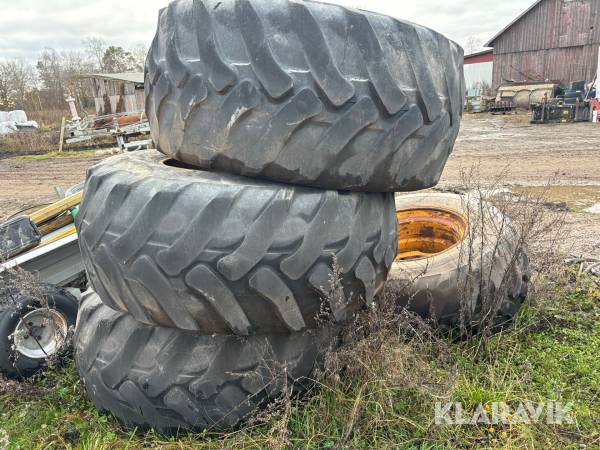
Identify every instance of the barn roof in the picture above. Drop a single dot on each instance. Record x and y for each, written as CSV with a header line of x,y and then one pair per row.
x,y
490,43
132,77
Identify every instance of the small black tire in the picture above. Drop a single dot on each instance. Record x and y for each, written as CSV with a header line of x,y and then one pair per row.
x,y
170,380
213,253
481,279
16,305
304,93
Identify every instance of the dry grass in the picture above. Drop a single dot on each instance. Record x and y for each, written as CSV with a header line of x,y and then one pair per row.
x,y
47,138
50,119
25,142
36,143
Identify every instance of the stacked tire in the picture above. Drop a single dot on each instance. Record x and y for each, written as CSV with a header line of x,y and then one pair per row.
x,y
224,266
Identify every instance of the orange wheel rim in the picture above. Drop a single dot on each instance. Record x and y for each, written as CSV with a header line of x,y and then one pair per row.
x,y
425,232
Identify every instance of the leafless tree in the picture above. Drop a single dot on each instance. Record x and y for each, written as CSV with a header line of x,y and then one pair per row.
x,y
139,53
52,75
472,45
59,74
5,89
484,87
76,63
16,80
95,48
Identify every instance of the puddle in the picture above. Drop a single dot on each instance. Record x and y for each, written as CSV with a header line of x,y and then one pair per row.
x,y
577,198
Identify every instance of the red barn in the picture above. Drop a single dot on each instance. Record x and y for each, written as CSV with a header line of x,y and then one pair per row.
x,y
555,40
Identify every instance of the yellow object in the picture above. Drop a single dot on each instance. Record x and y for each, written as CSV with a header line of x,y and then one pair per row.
x,y
55,209
66,232
425,232
52,225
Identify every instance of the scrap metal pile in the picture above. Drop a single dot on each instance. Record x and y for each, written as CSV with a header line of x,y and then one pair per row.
x,y
123,127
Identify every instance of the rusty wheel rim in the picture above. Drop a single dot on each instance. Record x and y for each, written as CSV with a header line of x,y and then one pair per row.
x,y
426,232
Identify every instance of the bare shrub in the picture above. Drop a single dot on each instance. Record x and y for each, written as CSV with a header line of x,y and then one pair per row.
x,y
520,229
274,391
385,358
274,377
508,237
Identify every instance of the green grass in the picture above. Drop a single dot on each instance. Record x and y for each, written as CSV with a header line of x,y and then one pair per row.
x,y
64,154
383,399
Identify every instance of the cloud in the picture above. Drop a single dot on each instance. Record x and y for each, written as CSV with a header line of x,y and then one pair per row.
x,y
30,25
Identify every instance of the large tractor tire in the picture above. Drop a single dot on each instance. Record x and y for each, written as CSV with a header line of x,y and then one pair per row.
x,y
170,380
34,328
304,93
460,261
213,253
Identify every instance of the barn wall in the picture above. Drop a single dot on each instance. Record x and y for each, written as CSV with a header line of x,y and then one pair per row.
x,y
556,40
598,79
115,96
553,24
559,64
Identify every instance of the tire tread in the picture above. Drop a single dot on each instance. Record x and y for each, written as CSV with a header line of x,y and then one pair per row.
x,y
345,113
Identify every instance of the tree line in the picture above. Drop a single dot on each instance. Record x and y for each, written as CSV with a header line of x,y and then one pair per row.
x,y
46,84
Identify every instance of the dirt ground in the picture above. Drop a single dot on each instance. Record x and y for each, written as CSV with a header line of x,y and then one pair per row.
x,y
29,183
534,155
564,159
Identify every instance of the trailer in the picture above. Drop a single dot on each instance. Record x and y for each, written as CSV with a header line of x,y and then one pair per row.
x,y
42,277
130,130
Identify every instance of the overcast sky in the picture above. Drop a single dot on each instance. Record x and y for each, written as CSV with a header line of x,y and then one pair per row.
x,y
27,26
